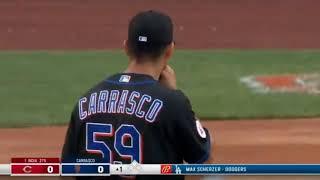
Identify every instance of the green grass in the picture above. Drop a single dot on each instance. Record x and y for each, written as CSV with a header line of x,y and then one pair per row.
x,y
39,88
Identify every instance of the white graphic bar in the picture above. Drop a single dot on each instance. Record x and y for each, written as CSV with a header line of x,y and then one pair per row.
x,y
134,169
5,169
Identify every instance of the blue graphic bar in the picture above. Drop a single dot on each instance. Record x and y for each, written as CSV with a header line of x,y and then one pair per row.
x,y
76,169
246,169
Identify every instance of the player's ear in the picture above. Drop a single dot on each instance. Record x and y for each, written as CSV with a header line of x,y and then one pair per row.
x,y
169,51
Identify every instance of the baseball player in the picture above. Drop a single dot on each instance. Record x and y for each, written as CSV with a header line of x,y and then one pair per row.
x,y
139,115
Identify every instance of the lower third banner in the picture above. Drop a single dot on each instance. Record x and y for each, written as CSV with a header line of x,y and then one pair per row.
x,y
246,169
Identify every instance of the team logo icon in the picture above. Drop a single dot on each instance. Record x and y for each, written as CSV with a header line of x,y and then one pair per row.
x,y
178,170
166,169
27,169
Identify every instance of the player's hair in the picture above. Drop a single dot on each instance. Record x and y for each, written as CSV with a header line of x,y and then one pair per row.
x,y
149,33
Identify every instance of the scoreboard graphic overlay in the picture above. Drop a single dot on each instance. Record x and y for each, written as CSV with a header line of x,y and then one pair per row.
x,y
89,167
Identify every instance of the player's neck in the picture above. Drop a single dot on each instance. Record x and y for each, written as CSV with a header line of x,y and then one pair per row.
x,y
144,68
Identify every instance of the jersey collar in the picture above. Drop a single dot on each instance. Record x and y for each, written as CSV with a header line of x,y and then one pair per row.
x,y
131,79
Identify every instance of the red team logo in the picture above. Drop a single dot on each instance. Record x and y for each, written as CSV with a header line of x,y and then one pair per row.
x,y
166,169
27,169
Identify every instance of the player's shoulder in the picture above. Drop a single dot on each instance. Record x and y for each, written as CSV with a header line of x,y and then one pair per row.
x,y
178,97
170,94
174,98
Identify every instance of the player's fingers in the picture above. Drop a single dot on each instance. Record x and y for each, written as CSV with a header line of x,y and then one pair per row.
x,y
169,70
165,71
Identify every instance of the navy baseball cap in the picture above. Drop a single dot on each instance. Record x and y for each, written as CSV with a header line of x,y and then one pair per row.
x,y
149,30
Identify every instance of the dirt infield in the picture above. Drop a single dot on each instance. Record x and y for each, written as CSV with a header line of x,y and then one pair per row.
x,y
100,24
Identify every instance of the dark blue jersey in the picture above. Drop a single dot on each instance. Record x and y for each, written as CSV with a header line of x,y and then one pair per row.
x,y
133,117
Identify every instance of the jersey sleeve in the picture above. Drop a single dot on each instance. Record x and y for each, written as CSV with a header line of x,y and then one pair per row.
x,y
192,138
70,146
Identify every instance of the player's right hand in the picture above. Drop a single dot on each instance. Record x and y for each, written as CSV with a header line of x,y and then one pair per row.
x,y
168,78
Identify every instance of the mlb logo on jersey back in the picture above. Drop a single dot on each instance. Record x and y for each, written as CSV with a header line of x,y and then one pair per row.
x,y
125,78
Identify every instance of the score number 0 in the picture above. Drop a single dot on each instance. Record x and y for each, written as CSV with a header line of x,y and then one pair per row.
x,y
100,169
50,169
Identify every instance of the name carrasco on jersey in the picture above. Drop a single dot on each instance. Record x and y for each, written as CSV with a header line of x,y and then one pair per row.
x,y
126,102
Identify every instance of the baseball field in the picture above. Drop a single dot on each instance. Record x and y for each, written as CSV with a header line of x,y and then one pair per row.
x,y
53,51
